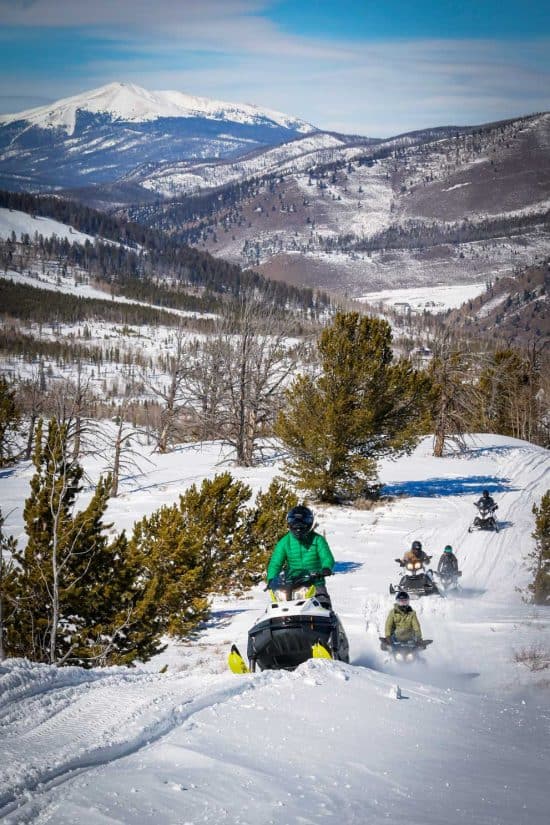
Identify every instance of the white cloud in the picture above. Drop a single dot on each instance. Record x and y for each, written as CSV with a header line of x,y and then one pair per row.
x,y
374,88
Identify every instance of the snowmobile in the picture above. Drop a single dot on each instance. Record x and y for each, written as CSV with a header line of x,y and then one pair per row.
x,y
486,519
448,579
295,627
417,581
405,651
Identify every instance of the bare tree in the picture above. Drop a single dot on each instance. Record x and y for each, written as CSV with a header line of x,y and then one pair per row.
x,y
170,393
71,403
454,393
30,396
234,384
123,453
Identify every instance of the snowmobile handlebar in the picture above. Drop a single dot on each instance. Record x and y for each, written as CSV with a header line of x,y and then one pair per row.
x,y
426,560
485,508
307,577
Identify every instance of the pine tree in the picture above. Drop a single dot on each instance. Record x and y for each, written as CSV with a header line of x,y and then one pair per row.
x,y
172,580
79,597
8,601
10,418
362,406
266,524
210,542
540,586
217,515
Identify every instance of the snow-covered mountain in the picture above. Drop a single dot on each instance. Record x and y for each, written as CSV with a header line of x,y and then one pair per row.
x,y
133,104
100,135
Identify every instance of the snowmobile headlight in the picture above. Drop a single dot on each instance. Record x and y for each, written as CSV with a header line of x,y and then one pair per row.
x,y
410,657
417,566
300,593
399,657
410,566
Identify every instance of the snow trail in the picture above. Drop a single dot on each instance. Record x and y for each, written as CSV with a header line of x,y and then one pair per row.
x,y
458,737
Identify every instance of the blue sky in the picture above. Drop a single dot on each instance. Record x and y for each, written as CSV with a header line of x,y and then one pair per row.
x,y
372,68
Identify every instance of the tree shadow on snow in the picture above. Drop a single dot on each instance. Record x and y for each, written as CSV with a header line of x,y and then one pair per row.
x,y
220,618
439,487
505,449
347,566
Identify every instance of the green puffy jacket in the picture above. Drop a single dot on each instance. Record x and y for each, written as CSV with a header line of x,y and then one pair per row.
x,y
402,622
309,554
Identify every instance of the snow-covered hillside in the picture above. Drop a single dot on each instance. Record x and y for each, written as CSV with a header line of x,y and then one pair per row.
x,y
297,155
467,742
11,220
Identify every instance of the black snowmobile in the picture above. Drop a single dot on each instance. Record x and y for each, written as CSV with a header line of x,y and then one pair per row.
x,y
486,519
448,578
417,581
294,628
405,651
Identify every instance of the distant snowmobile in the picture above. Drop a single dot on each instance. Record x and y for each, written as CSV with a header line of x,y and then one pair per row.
x,y
417,581
295,627
405,651
486,519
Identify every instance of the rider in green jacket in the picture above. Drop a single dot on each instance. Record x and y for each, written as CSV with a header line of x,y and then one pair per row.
x,y
302,550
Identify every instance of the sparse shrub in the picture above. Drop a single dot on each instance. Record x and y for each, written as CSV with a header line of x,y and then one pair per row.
x,y
535,658
540,586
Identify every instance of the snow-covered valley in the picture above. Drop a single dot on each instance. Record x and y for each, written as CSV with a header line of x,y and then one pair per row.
x,y
466,742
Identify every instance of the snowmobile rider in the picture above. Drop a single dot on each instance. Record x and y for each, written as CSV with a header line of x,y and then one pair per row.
x,y
486,502
416,553
402,624
302,550
448,562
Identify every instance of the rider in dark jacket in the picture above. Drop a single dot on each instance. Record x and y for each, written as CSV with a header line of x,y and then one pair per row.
x,y
486,502
448,562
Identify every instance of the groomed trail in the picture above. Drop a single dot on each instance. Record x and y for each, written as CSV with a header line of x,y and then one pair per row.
x,y
465,743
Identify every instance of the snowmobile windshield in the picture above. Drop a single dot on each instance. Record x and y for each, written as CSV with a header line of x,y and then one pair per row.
x,y
298,587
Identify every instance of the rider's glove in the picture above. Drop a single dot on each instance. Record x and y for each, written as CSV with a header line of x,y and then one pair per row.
x,y
326,571
271,584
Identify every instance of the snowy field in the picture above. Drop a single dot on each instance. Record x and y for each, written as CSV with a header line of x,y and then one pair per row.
x,y
467,742
436,298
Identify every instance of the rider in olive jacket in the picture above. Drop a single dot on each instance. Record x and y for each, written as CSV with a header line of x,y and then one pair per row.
x,y
402,623
301,550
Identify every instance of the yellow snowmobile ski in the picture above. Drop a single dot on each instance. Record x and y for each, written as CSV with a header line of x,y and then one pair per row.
x,y
236,662
319,651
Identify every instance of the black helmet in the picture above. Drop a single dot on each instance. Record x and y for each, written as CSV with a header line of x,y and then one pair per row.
x,y
402,598
416,547
486,494
300,520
